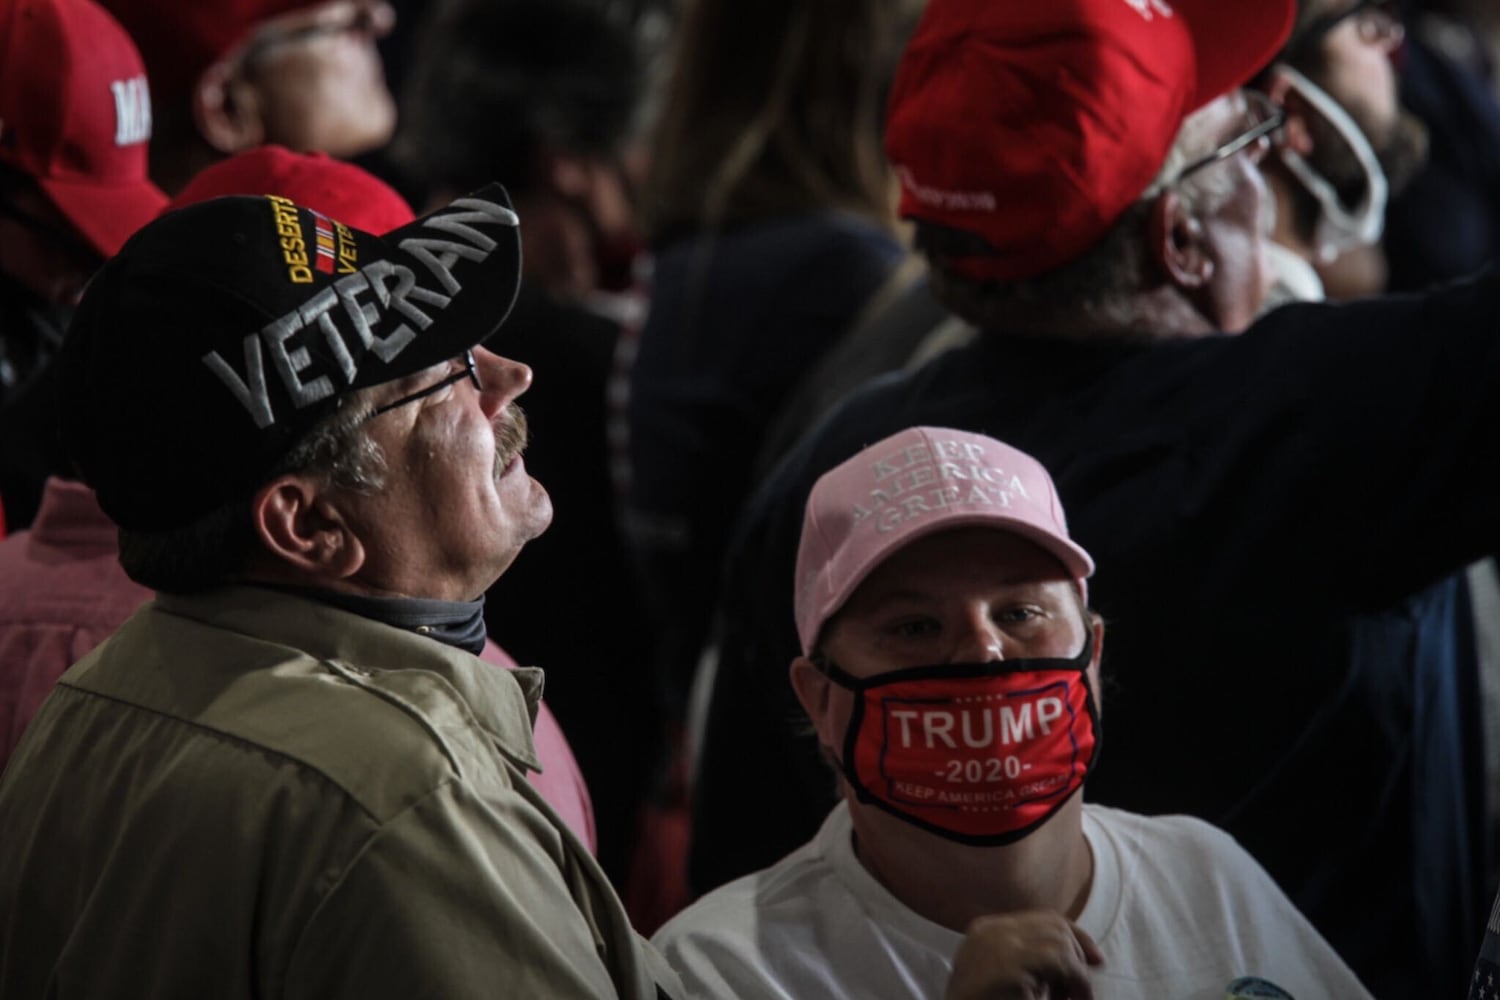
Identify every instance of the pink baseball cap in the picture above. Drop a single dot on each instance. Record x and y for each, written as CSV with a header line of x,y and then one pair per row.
x,y
910,485
1036,125
75,115
337,189
179,39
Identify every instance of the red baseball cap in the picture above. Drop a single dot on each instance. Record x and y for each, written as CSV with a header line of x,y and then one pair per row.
x,y
179,39
75,115
337,189
1036,125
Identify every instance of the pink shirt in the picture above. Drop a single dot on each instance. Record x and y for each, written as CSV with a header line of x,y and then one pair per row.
x,y
62,591
560,781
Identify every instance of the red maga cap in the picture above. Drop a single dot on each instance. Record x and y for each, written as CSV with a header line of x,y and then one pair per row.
x,y
1036,125
179,39
337,189
75,115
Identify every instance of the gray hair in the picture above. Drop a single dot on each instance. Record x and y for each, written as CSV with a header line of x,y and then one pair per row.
x,y
216,547
1205,191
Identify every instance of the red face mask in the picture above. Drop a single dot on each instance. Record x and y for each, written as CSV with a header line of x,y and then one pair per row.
x,y
980,753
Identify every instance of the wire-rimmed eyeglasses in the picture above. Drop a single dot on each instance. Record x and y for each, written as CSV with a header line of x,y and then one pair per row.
x,y
1264,118
470,371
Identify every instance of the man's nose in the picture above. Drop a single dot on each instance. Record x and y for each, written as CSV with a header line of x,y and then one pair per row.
x,y
501,380
978,640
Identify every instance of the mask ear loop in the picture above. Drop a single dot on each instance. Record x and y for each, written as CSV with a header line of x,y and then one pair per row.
x,y
845,762
1338,228
836,673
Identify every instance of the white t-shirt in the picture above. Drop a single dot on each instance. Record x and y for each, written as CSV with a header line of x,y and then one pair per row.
x,y
1178,909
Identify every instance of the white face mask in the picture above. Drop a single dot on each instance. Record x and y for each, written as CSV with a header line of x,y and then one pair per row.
x,y
1339,227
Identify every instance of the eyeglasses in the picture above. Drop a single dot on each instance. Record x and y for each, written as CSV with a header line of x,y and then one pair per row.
x,y
1378,22
1263,117
470,371
362,20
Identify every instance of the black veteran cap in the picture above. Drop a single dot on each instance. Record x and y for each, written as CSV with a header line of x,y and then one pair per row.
x,y
223,331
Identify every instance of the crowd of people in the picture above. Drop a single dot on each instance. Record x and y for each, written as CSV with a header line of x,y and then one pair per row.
x,y
627,498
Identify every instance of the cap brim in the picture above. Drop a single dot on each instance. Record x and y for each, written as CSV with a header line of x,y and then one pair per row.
x,y
488,287
1078,563
105,215
1234,41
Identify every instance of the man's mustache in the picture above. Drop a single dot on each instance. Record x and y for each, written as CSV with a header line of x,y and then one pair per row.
x,y
511,435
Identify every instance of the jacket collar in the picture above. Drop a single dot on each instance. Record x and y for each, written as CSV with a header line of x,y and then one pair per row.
x,y
503,702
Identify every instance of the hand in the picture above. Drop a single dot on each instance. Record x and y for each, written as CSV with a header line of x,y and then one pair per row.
x,y
1023,956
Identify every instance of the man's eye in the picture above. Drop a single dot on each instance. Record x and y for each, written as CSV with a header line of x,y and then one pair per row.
x,y
452,375
912,628
1017,615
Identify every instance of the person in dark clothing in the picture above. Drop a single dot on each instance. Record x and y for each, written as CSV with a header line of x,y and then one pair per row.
x,y
1446,225
1280,513
769,212
891,333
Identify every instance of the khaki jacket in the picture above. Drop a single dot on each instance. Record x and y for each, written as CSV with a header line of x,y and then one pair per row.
x,y
248,794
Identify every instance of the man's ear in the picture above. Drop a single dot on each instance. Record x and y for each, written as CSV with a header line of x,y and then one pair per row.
x,y
227,109
813,688
299,524
1176,243
1096,626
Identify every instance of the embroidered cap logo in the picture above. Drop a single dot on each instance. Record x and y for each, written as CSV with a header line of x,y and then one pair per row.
x,y
376,310
132,111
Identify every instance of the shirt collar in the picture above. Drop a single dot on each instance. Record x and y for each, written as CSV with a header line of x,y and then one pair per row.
x,y
70,517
